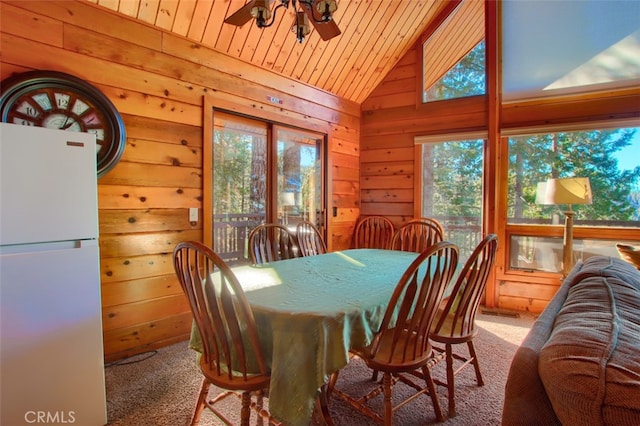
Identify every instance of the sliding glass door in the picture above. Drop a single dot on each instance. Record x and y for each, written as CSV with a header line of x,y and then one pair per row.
x,y
262,173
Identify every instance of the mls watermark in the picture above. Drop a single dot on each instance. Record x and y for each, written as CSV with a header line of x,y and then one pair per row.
x,y
50,417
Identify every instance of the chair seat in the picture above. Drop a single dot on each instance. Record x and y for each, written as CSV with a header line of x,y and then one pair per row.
x,y
392,358
463,330
220,378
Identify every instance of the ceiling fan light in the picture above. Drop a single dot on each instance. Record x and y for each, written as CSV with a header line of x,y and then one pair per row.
x,y
301,27
261,11
326,8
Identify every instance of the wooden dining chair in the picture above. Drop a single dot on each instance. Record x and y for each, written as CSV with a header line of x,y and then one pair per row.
x,y
455,322
373,232
416,235
432,220
232,358
270,242
310,240
401,345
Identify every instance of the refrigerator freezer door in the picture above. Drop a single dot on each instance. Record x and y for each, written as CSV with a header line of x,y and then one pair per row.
x,y
51,353
47,185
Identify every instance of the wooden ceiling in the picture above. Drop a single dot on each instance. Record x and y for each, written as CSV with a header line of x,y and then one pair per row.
x,y
375,35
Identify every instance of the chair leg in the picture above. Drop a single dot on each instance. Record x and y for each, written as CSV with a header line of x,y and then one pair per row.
x,y
432,392
204,392
259,408
322,406
388,407
476,363
333,379
450,381
245,411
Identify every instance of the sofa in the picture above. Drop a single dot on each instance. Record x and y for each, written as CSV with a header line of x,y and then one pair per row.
x,y
580,362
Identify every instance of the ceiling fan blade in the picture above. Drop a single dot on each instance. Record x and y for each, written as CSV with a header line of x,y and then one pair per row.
x,y
241,16
327,30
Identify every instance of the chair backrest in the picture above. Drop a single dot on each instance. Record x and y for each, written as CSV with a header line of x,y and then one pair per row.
x,y
373,232
457,319
270,242
416,235
432,220
403,337
220,311
310,240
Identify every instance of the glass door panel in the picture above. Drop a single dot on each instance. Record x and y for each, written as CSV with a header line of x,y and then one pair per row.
x,y
239,183
299,177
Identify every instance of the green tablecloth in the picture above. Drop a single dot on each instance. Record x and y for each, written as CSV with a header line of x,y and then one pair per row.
x,y
310,311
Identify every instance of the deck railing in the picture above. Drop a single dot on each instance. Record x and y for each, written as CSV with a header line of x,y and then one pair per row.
x,y
231,234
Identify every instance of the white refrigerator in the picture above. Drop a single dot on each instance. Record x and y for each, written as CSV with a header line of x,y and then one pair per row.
x,y
51,350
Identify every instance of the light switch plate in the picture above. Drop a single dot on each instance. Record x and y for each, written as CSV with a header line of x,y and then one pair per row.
x,y
193,214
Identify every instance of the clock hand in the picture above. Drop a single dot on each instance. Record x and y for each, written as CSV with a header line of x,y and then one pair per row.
x,y
65,123
65,126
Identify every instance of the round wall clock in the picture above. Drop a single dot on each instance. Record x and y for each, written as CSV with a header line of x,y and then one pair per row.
x,y
61,101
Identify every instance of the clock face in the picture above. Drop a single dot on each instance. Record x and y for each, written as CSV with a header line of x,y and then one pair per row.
x,y
60,101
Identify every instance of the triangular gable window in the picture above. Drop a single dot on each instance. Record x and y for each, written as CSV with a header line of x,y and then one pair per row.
x,y
453,64
465,78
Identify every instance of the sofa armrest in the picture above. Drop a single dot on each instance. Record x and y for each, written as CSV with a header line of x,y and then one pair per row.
x,y
526,401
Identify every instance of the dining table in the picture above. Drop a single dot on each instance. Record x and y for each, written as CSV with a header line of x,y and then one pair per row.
x,y
310,311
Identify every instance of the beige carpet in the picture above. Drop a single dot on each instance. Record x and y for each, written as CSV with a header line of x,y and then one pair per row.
x,y
161,388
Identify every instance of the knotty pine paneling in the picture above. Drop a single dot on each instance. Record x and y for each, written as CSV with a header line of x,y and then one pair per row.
x,y
157,80
393,195
123,292
131,340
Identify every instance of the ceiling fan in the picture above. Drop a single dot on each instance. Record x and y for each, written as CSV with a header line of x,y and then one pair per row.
x,y
317,11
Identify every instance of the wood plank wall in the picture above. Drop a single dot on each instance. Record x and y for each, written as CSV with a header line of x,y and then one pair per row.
x,y
157,81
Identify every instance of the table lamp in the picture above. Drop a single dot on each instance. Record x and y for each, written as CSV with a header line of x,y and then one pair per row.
x,y
568,191
287,201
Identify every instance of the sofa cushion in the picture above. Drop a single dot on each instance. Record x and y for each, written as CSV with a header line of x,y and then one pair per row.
x,y
590,366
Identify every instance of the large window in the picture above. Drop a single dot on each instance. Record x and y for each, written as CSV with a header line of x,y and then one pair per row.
x,y
262,173
452,184
609,158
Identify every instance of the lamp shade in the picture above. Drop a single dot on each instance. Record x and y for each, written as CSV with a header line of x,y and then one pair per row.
x,y
288,199
541,193
575,190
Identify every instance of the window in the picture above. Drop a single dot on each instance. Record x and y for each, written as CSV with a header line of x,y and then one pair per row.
x,y
262,173
558,47
452,184
466,78
453,58
610,158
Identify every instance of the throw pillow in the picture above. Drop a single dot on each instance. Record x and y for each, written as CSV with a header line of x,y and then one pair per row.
x,y
630,254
